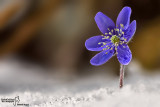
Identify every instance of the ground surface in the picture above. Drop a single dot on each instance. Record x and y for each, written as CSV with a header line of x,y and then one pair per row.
x,y
38,90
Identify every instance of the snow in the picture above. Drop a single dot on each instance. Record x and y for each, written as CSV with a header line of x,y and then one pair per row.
x,y
40,90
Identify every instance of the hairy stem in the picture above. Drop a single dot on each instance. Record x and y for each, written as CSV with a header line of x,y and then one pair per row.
x,y
121,76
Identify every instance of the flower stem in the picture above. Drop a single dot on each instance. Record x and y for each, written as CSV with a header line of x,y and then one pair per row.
x,y
121,76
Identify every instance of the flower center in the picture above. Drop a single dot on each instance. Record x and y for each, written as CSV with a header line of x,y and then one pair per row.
x,y
114,39
114,36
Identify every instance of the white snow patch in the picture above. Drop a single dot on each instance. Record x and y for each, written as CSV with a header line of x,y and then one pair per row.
x,y
140,89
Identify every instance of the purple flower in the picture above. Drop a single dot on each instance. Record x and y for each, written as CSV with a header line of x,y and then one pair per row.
x,y
114,39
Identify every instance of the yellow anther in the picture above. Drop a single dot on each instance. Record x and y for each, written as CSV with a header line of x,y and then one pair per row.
x,y
106,33
123,33
116,44
120,30
121,25
112,30
110,33
117,30
106,52
105,37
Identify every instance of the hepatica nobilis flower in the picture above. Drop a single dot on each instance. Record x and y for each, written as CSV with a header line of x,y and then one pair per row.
x,y
114,39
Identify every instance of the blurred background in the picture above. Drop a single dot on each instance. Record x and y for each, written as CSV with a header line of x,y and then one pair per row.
x,y
51,34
